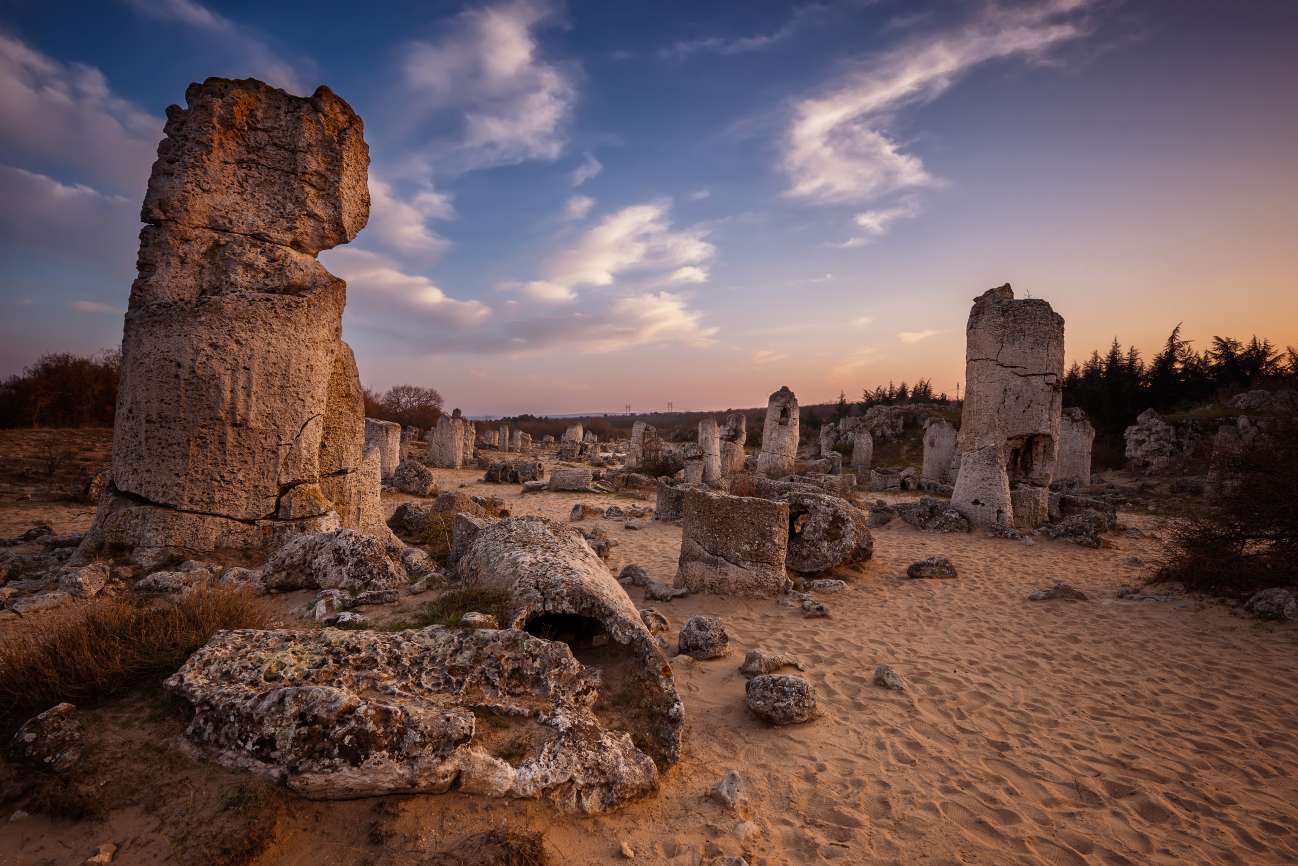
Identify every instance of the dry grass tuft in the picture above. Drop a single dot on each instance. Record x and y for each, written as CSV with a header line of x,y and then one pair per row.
x,y
451,606
100,648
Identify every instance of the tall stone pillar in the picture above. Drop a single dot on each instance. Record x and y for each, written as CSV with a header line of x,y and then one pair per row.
x,y
710,446
779,435
1009,428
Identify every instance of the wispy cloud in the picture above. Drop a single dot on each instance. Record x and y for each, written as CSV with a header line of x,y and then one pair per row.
x,y
767,356
589,169
578,207
93,307
401,224
730,45
839,147
254,56
700,194
51,111
915,336
377,286
486,73
862,321
638,239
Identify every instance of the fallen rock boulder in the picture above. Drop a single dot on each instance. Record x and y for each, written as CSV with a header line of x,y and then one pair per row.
x,y
341,559
572,479
757,662
703,637
414,478
825,532
514,472
337,714
781,699
51,741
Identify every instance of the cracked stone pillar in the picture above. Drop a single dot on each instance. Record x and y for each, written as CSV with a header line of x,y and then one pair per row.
x,y
388,438
779,435
1009,428
240,414
635,450
504,437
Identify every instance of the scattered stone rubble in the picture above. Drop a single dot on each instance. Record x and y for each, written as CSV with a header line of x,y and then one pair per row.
x,y
1010,425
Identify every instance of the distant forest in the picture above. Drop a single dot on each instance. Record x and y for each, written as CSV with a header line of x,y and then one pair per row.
x,y
65,390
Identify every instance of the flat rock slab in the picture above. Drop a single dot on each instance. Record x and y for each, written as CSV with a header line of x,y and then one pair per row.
x,y
337,714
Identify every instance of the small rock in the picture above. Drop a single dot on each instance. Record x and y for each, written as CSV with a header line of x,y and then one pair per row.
x,y
414,478
655,591
171,581
350,619
328,604
51,740
581,511
934,566
475,619
103,855
535,486
376,596
703,637
729,792
83,581
826,585
654,621
746,831
1060,591
726,860
780,699
39,602
627,851
633,575
1275,603
813,609
758,662
888,678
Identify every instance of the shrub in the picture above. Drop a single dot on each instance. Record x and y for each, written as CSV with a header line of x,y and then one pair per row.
x,y
1248,540
452,605
102,647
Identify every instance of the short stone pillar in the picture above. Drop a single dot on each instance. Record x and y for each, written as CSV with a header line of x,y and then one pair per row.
x,y
733,545
862,453
779,435
1076,439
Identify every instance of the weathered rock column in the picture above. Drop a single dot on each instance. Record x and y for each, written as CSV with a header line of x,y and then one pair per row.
x,y
446,443
862,454
1076,439
470,450
516,441
387,437
940,447
240,415
1009,429
710,445
634,451
779,435
504,441
734,433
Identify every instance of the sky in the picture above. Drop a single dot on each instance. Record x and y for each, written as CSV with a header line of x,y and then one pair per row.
x,y
584,205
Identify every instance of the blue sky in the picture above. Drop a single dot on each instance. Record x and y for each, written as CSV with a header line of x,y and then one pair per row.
x,y
582,205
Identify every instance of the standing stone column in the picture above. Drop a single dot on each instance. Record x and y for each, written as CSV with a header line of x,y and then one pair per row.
x,y
1076,439
862,454
734,433
940,440
516,441
504,437
710,445
388,437
470,442
828,438
634,451
240,415
779,435
1009,428
446,443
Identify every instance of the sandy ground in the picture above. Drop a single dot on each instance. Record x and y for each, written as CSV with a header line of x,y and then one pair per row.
x,y
1099,732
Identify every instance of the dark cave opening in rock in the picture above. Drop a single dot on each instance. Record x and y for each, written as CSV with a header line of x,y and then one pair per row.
x,y
628,690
